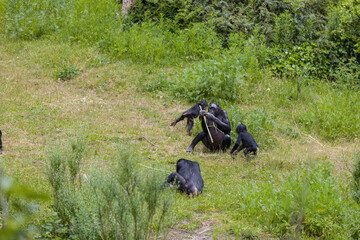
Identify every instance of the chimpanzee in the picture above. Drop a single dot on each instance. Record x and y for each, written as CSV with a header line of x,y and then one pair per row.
x,y
0,142
190,114
248,142
215,129
188,176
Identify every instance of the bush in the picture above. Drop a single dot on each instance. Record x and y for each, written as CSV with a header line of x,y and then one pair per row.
x,y
156,44
309,201
32,19
333,115
119,204
347,75
213,80
67,73
356,178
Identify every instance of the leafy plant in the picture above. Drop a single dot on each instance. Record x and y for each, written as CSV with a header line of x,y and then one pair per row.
x,y
213,80
18,205
333,115
309,202
356,177
119,204
67,73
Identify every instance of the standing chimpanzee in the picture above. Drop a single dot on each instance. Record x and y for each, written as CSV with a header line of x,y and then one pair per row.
x,y
248,142
188,176
216,129
0,142
190,114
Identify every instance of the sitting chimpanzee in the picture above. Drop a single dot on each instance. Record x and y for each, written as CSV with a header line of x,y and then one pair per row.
x,y
215,131
188,176
247,141
190,114
0,142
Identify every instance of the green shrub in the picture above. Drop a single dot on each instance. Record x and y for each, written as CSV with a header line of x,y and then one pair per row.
x,y
347,75
213,80
309,201
155,44
122,203
356,178
30,19
67,73
333,115
18,203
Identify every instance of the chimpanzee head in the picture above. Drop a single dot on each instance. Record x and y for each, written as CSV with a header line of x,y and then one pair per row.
x,y
203,104
241,128
214,108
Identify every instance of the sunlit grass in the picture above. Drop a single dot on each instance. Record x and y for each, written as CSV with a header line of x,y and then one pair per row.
x,y
105,104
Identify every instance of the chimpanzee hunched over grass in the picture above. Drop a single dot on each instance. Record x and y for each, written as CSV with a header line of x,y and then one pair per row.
x,y
247,141
188,176
191,114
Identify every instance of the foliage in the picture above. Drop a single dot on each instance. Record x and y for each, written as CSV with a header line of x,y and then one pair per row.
x,y
356,178
67,73
309,201
119,204
18,204
213,80
333,115
31,19
151,43
347,75
345,19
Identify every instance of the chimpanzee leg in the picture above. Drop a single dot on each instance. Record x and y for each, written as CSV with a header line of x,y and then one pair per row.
x,y
196,140
207,142
190,124
178,179
226,142
248,150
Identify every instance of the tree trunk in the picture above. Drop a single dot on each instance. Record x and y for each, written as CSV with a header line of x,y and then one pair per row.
x,y
126,5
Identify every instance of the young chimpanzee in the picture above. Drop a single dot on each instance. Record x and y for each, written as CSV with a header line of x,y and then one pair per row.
x,y
190,114
248,142
0,142
215,131
188,176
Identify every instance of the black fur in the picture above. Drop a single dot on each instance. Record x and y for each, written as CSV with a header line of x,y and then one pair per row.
x,y
216,136
188,176
190,114
247,141
0,142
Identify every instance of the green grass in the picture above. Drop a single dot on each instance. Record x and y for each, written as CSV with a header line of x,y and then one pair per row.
x,y
106,103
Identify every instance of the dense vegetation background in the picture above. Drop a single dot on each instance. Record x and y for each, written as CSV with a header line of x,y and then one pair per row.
x,y
87,97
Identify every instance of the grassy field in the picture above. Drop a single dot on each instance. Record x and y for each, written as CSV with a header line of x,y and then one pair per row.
x,y
106,102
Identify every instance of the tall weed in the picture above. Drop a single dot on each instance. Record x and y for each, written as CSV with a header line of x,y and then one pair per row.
x,y
356,178
29,19
119,204
214,80
156,44
309,201
333,115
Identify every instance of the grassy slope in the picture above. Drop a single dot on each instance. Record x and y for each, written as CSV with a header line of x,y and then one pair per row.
x,y
103,103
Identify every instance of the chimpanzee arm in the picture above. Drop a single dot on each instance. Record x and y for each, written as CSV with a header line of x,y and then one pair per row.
x,y
222,121
193,112
177,178
237,144
177,120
